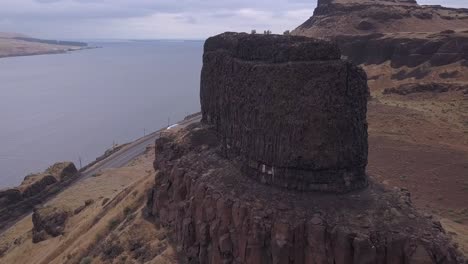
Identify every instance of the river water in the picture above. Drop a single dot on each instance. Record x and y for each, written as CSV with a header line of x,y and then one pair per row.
x,y
66,106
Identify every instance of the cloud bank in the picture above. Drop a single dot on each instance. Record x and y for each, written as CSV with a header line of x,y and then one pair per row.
x,y
151,19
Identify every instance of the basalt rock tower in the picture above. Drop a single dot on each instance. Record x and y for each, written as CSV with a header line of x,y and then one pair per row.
x,y
275,172
290,108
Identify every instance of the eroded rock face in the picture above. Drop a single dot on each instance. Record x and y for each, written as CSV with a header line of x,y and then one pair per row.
x,y
36,183
290,108
48,222
406,50
412,88
34,189
10,196
402,32
62,170
218,215
342,17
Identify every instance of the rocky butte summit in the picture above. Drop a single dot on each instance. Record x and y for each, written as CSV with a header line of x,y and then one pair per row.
x,y
397,41
275,172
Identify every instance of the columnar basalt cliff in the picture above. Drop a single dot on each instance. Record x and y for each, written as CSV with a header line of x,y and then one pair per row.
x,y
219,211
293,111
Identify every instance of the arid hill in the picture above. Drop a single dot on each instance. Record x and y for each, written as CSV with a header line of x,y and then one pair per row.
x,y
13,44
407,41
361,17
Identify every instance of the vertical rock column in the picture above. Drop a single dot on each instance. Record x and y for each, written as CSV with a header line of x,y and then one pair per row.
x,y
289,108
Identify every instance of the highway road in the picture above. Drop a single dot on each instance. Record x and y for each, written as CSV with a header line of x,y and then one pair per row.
x,y
133,150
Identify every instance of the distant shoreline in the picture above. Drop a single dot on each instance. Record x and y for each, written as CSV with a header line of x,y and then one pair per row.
x,y
48,52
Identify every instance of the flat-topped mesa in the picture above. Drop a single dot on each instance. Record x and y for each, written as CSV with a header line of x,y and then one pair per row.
x,y
289,109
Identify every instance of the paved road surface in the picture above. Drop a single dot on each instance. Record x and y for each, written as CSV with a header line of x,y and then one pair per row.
x,y
132,151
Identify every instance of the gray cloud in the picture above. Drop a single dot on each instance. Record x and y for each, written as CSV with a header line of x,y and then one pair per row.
x,y
155,18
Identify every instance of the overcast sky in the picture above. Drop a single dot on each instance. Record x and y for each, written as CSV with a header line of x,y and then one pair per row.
x,y
152,19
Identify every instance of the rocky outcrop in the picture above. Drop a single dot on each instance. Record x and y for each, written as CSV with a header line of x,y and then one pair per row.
x,y
62,170
361,17
406,50
412,88
34,189
10,196
35,184
219,215
402,32
280,103
48,222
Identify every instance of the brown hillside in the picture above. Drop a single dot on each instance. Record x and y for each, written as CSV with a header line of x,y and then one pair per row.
x,y
355,17
416,59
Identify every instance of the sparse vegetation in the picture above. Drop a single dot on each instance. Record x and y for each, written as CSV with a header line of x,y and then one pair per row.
x,y
98,237
97,174
104,202
111,248
127,210
86,260
113,223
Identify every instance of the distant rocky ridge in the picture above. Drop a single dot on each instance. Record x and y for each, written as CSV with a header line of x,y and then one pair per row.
x,y
360,17
53,42
12,44
403,32
410,50
430,40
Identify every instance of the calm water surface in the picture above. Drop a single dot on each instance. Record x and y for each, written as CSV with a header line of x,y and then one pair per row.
x,y
66,106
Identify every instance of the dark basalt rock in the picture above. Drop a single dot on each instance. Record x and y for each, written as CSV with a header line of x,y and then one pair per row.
x,y
48,222
365,25
271,48
411,88
10,196
418,73
298,123
216,214
38,184
34,189
63,170
289,108
411,52
449,75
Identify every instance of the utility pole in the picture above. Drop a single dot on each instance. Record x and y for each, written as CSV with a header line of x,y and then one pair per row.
x,y
79,158
168,121
144,132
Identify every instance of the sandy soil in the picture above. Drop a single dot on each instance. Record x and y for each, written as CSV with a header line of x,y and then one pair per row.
x,y
416,144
